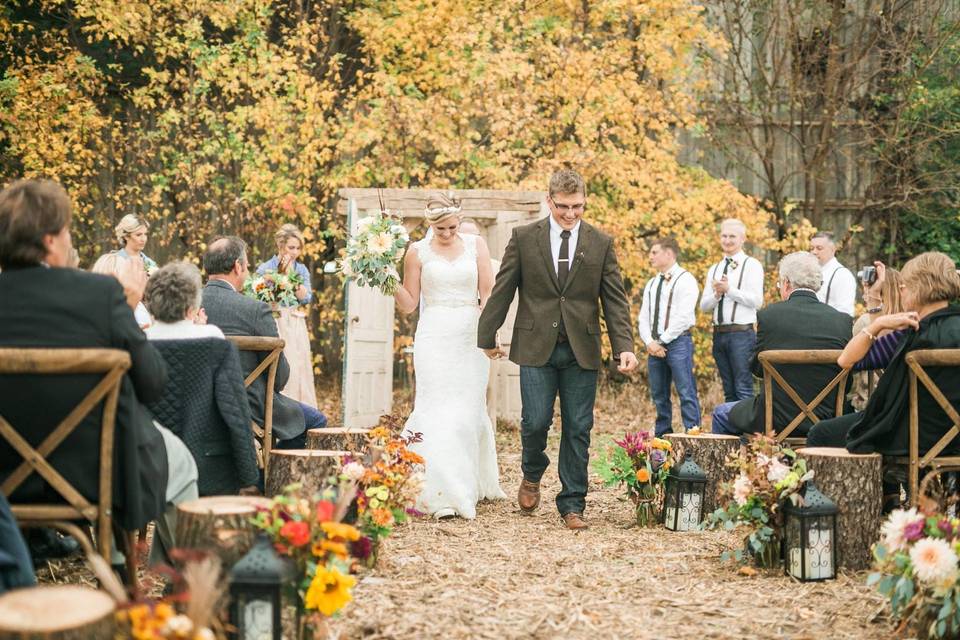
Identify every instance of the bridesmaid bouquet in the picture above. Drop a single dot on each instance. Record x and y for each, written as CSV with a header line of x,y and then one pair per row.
x,y
641,464
276,289
372,254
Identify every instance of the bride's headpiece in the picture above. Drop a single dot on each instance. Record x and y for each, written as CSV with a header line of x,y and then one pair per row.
x,y
440,207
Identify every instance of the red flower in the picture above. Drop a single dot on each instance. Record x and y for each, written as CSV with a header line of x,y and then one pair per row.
x,y
324,511
298,533
361,548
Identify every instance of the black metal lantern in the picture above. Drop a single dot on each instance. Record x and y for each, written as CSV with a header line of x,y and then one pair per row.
x,y
256,588
683,499
810,536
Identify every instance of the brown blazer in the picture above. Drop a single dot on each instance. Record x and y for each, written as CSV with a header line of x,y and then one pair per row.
x,y
594,279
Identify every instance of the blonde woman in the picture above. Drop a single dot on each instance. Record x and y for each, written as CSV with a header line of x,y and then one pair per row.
x,y
882,298
131,233
292,322
451,271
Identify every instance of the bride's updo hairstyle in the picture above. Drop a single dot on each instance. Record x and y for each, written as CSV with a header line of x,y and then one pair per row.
x,y
440,207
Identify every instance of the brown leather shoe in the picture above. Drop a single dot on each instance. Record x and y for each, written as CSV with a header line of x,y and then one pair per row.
x,y
528,497
575,521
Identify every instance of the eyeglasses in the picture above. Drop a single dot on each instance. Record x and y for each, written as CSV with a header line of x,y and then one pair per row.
x,y
580,206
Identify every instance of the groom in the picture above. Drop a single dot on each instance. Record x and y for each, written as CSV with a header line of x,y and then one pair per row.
x,y
563,267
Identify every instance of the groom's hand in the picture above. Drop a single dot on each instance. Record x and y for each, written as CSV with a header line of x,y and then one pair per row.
x,y
495,354
628,362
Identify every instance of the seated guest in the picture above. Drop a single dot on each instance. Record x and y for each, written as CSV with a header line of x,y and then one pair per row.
x,y
799,322
237,315
204,402
16,570
882,298
930,282
114,264
66,308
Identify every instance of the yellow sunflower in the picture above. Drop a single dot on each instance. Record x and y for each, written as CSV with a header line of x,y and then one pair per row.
x,y
329,591
340,530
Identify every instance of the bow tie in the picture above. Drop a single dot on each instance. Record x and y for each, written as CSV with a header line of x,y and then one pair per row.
x,y
666,276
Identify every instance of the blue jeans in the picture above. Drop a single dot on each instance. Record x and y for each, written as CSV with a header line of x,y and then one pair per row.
x,y
577,387
721,420
732,353
676,367
313,419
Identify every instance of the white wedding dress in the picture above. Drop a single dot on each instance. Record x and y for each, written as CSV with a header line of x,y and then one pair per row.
x,y
450,407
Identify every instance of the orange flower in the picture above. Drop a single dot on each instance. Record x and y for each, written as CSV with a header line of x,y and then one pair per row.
x,y
382,517
321,548
340,530
643,475
298,533
324,511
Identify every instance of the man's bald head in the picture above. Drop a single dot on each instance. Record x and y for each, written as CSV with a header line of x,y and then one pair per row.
x,y
223,254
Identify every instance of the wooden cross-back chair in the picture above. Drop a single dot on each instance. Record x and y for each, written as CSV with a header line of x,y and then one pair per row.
x,y
916,361
273,347
112,364
769,360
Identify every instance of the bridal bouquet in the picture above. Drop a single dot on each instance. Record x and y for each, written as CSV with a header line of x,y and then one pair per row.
x,y
768,474
916,569
372,254
641,464
274,288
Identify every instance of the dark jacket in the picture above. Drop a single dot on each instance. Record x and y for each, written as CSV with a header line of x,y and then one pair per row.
x,y
67,308
801,322
594,280
884,424
238,315
206,404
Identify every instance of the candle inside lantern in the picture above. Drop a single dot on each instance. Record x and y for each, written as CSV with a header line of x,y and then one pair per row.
x,y
689,519
818,560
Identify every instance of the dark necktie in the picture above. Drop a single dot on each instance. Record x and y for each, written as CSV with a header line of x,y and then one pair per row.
x,y
726,266
656,310
563,262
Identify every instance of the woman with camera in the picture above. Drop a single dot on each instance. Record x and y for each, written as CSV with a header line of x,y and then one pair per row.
x,y
881,293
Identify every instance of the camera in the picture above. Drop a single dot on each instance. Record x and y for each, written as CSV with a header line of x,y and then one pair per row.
x,y
867,275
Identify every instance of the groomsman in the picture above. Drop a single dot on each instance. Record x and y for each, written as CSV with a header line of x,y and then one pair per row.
x,y
667,313
733,292
839,288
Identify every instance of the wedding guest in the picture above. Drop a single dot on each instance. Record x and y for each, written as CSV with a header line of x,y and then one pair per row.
x,y
882,297
204,401
292,321
237,315
800,322
59,307
839,288
733,292
667,314
16,569
113,264
929,283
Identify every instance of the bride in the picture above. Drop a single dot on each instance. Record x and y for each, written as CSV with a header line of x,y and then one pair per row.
x,y
449,272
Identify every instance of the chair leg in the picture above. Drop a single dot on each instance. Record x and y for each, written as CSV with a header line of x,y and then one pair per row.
x,y
130,539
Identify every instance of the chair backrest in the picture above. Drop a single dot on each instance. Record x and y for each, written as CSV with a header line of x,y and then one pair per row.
x,y
273,347
769,360
916,361
113,364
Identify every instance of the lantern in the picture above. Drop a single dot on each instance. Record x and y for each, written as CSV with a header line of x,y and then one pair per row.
x,y
686,488
256,586
810,536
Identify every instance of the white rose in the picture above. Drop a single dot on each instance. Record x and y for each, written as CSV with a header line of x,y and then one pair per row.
x,y
364,223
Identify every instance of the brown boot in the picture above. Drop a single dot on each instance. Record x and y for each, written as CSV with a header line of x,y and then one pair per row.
x,y
528,497
575,522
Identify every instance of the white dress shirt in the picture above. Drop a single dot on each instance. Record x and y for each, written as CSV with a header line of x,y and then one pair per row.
x,y
682,307
745,295
182,330
843,288
555,240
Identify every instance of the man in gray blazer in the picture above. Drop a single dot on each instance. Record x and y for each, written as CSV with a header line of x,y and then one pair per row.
x,y
237,315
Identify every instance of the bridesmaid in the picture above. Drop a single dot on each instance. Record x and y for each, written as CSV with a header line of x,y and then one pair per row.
x,y
292,322
131,233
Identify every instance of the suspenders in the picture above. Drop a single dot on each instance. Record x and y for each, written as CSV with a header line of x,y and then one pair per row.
x,y
666,320
743,270
830,283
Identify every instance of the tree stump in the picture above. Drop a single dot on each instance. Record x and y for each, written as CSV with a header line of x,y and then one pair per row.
x,y
711,451
219,524
57,612
855,483
337,439
309,467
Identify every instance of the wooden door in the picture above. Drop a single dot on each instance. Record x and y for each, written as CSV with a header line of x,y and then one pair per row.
x,y
368,350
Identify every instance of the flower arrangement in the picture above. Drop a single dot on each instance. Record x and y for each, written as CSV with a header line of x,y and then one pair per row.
x,y
372,254
768,474
389,482
915,568
641,463
274,288
308,531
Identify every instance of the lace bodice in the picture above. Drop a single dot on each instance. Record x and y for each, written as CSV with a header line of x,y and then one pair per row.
x,y
448,283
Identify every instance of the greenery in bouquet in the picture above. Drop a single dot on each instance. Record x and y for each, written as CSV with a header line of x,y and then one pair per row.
x,y
372,254
309,531
915,568
767,475
640,463
389,481
274,288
